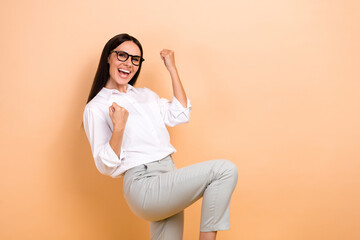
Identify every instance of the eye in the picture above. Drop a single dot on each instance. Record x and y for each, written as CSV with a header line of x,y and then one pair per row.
x,y
122,55
136,59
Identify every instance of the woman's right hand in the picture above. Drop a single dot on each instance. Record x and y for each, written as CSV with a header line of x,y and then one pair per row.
x,y
119,116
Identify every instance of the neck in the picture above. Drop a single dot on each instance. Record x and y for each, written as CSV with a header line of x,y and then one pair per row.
x,y
120,88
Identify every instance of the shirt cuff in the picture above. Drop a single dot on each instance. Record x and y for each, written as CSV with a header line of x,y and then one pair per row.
x,y
110,158
177,108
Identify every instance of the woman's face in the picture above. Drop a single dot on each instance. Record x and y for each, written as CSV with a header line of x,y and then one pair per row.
x,y
122,72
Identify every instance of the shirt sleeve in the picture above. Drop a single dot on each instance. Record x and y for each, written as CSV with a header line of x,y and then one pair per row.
x,y
99,133
173,113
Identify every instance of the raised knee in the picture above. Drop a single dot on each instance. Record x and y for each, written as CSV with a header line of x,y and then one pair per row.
x,y
229,168
232,168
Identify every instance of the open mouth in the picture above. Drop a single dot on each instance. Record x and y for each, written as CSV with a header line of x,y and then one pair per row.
x,y
123,73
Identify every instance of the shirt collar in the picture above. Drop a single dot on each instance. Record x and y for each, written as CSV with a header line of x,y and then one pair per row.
x,y
107,92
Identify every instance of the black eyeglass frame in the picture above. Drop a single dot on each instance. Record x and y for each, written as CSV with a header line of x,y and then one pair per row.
x,y
128,55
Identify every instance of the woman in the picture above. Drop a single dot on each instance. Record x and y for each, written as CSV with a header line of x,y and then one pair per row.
x,y
126,128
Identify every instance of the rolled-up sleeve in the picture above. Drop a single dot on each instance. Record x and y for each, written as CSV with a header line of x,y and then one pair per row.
x,y
173,113
99,133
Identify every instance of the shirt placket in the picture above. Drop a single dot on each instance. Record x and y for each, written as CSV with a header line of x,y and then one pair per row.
x,y
149,121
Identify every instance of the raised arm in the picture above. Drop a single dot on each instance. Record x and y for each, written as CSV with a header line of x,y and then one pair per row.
x,y
119,118
168,56
106,143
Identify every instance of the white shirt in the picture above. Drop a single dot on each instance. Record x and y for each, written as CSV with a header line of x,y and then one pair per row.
x,y
145,138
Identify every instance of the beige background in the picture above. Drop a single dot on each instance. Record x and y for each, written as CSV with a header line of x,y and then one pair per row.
x,y
274,87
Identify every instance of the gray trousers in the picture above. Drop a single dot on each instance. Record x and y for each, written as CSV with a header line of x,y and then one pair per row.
x,y
159,192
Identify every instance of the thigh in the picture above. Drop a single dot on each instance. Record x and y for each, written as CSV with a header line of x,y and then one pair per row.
x,y
169,193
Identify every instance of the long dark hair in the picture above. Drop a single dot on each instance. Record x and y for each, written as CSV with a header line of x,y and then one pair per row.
x,y
102,74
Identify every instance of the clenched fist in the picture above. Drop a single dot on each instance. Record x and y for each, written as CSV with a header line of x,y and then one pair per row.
x,y
119,116
168,56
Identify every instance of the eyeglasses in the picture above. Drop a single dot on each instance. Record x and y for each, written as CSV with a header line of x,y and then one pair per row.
x,y
123,56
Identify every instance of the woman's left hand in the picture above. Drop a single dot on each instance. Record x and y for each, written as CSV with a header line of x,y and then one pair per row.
x,y
168,56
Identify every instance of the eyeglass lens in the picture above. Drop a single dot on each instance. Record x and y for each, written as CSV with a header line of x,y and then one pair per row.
x,y
123,56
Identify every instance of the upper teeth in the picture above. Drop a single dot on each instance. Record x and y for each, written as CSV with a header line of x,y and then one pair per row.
x,y
123,70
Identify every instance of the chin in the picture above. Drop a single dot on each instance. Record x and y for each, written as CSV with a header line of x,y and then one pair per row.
x,y
122,81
